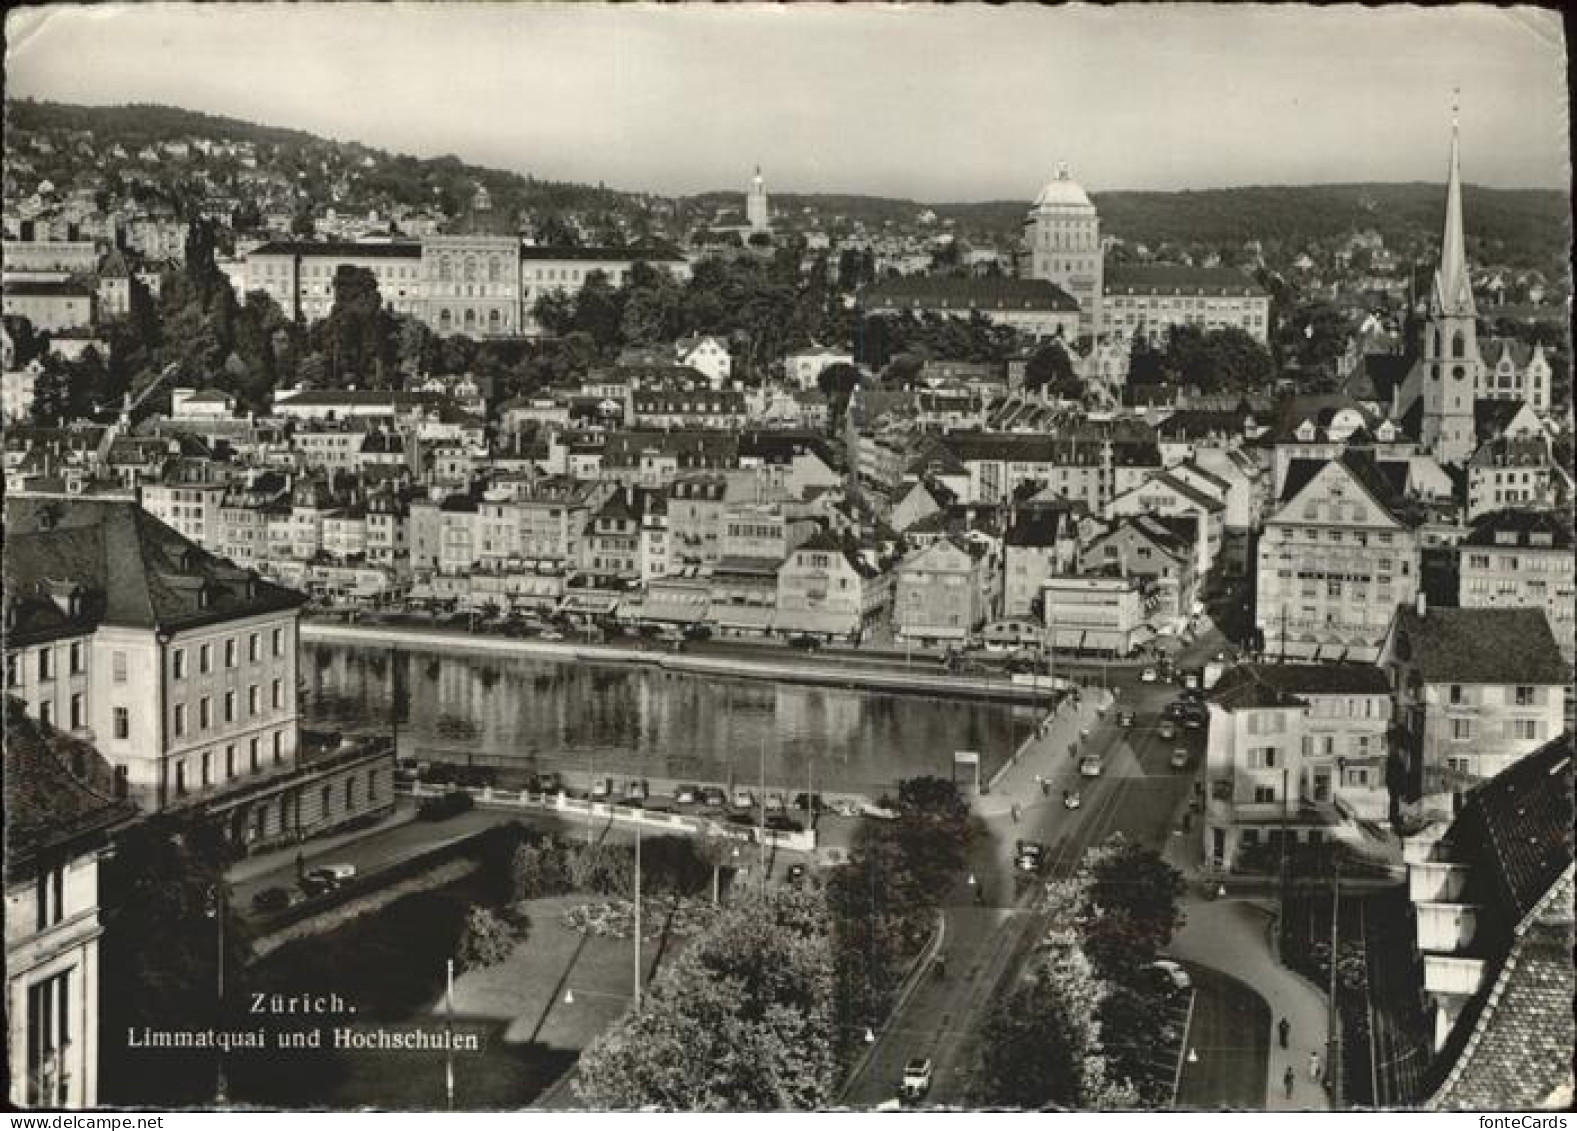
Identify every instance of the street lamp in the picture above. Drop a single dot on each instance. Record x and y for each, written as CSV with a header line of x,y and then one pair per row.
x,y
216,911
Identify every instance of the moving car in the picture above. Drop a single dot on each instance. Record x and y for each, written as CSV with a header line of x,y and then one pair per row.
x,y
1147,676
552,635
1167,729
1179,759
1029,856
326,878
1070,799
795,875
916,1078
1090,766
1125,719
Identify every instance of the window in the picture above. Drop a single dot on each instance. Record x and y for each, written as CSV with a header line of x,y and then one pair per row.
x,y
76,657
78,711
230,653
1526,696
207,768
1525,729
1461,730
279,747
253,749
229,706
122,722
279,642
254,648
46,663
48,1033
177,663
180,720
180,777
1262,758
1455,695
13,671
204,713
1264,793
205,659
327,798
51,896
230,762
350,792
252,701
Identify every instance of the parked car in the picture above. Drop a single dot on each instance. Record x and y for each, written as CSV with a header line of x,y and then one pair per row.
x,y
686,795
805,643
916,1078
1179,759
714,797
1070,799
1174,975
450,804
601,789
1029,855
552,635
743,799
775,803
810,802
636,789
270,900
1148,676
550,782
846,808
1090,766
326,878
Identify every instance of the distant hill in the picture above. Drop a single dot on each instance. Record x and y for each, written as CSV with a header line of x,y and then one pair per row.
x,y
1517,227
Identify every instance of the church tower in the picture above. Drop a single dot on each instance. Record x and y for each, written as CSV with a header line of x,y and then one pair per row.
x,y
1452,365
756,204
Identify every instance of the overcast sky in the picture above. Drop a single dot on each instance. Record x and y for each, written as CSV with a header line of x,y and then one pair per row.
x,y
933,103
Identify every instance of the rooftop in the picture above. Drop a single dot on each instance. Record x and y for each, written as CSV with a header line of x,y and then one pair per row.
x,y
1174,280
1494,646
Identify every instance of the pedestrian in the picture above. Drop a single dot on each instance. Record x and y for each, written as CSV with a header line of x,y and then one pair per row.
x,y
1045,788
1314,1067
1284,1030
1015,812
1289,1079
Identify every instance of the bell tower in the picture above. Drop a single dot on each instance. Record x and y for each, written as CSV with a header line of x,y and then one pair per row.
x,y
1452,363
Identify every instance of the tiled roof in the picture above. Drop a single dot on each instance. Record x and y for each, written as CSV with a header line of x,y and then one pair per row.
x,y
340,249
36,288
1523,526
58,790
1520,823
133,569
603,254
1495,646
1172,280
1384,481
1249,686
1492,417
1518,1054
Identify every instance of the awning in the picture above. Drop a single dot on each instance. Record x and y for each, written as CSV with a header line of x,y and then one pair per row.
x,y
757,617
935,632
810,620
595,604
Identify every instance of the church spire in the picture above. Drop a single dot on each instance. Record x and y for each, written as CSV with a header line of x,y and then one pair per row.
x,y
1453,290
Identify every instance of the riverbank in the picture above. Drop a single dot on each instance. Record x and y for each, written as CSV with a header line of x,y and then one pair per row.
x,y
790,668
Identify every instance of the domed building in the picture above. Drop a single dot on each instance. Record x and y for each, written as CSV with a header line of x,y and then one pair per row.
x,y
1062,236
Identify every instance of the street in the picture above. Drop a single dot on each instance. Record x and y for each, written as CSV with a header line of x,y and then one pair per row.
x,y
1137,795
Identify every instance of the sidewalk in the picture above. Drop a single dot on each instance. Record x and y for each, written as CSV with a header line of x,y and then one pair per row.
x,y
1233,936
1043,755
275,859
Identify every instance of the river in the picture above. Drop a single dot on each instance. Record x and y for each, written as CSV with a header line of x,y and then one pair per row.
x,y
626,720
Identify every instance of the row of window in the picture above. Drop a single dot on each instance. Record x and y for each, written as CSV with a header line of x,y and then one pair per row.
x,y
205,707
254,653
206,763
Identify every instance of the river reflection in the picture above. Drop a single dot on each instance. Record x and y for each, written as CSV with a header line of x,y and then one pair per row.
x,y
628,720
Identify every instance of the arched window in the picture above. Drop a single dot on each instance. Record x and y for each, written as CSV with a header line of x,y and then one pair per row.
x,y
492,321
470,318
1457,372
1458,346
445,319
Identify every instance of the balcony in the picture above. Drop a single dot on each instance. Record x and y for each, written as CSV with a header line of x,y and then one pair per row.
x,y
1448,928
1435,882
1448,974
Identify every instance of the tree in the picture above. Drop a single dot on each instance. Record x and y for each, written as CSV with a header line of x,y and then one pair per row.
x,y
1131,909
358,337
1050,367
485,940
1031,1050
742,1020
161,891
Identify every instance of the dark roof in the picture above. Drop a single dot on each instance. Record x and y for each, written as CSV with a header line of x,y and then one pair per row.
x,y
1492,417
1196,423
1499,646
1249,686
1520,528
1173,280
937,292
340,249
1385,481
1518,1053
1377,376
1039,526
59,791
36,287
604,254
1520,823
132,569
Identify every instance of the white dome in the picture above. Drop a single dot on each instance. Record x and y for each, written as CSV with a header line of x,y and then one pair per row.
x,y
1063,191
